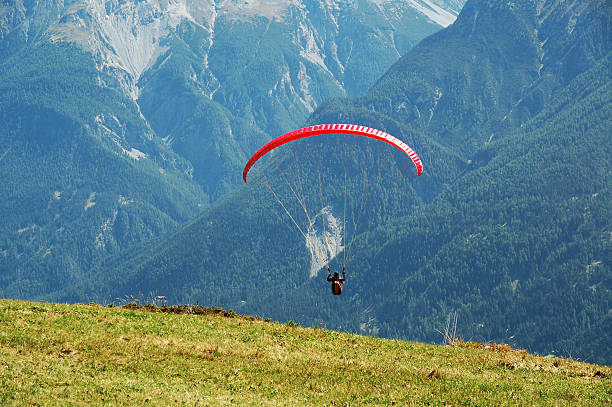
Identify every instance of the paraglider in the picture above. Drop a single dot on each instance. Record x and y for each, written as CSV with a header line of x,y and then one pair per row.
x,y
337,281
325,235
336,128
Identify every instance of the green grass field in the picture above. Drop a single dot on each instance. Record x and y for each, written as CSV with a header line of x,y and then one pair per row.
x,y
55,354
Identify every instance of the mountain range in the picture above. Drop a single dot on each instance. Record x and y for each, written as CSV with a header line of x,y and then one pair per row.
x,y
120,120
508,229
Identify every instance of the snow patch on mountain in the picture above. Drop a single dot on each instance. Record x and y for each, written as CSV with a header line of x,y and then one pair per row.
x,y
433,12
244,10
135,154
427,8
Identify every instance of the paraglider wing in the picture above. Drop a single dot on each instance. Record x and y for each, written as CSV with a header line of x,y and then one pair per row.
x,y
333,129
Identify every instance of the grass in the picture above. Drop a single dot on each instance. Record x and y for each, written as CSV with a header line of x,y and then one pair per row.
x,y
54,354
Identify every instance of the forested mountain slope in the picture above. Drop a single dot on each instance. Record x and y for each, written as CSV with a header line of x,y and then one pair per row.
x,y
79,180
120,120
509,226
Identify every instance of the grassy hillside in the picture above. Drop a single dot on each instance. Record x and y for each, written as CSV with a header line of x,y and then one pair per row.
x,y
55,354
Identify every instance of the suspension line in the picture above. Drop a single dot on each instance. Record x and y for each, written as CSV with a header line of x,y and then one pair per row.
x,y
267,184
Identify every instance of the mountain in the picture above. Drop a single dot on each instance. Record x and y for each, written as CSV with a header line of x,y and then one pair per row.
x,y
494,69
234,71
243,72
120,120
508,228
79,180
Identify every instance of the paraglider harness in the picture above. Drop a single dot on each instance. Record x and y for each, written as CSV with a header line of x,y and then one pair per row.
x,y
336,280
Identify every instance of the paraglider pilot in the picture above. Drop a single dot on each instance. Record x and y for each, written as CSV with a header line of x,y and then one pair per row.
x,y
336,281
